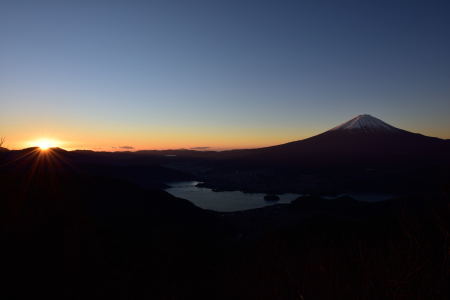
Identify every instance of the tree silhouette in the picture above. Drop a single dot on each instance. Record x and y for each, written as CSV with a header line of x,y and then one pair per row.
x,y
2,141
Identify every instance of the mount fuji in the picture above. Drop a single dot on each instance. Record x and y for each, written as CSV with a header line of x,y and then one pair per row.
x,y
362,139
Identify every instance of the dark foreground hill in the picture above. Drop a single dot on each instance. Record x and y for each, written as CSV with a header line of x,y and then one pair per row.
x,y
144,170
67,233
74,234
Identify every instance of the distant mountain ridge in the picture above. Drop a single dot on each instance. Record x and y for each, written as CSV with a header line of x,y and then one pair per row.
x,y
363,153
362,137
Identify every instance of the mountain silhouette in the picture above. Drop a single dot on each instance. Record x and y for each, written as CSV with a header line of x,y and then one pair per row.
x,y
361,139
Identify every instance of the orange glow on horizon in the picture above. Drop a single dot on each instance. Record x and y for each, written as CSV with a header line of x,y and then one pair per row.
x,y
161,143
152,139
45,144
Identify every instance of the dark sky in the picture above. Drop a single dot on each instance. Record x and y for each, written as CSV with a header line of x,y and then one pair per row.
x,y
158,74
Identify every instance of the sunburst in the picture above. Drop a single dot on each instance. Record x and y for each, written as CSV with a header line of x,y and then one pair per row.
x,y
45,144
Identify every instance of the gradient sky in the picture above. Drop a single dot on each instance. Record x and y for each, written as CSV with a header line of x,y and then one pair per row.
x,y
222,74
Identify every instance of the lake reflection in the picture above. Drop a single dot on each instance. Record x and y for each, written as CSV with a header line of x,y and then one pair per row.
x,y
223,201
236,200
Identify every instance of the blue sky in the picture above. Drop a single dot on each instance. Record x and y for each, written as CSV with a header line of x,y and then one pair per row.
x,y
158,74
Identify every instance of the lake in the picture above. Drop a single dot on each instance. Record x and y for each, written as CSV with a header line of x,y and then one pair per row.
x,y
223,201
236,200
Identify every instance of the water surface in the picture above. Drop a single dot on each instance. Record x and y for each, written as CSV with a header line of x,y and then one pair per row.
x,y
236,200
223,201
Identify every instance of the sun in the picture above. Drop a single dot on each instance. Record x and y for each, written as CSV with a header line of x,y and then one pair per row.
x,y
45,144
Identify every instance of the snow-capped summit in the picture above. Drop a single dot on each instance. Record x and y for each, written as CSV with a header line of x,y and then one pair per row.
x,y
366,123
